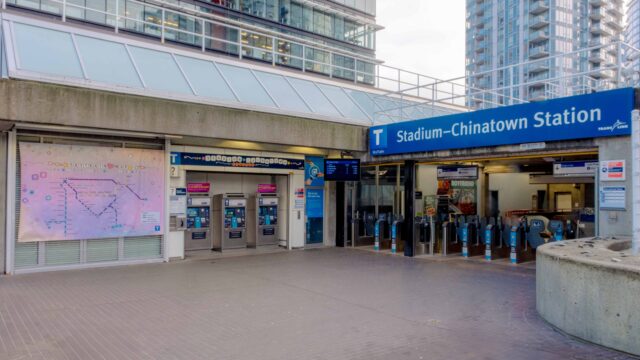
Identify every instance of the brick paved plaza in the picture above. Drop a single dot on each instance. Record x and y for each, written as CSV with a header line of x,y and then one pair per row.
x,y
312,304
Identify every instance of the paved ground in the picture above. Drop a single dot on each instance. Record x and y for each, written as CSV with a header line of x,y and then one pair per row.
x,y
313,304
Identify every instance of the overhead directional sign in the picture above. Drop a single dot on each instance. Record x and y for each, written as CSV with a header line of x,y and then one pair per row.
x,y
600,114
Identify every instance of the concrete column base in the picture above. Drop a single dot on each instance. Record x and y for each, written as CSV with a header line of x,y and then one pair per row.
x,y
590,289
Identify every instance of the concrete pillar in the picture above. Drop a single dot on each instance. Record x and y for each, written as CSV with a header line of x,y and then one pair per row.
x,y
616,222
3,194
409,194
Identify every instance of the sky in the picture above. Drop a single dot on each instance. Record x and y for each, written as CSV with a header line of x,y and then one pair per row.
x,y
424,36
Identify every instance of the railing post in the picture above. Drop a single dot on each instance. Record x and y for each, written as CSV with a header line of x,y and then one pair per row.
x,y
117,18
4,4
635,167
240,44
162,26
330,64
619,63
355,71
399,80
273,51
204,47
64,10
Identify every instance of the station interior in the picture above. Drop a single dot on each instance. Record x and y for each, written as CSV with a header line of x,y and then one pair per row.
x,y
527,200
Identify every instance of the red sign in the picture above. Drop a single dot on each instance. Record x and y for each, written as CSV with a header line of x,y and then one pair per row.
x,y
198,188
300,193
267,188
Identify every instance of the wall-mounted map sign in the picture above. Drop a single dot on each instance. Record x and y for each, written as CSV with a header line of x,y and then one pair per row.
x,y
72,192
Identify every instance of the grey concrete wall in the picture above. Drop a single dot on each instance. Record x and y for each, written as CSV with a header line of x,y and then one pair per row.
x,y
617,222
50,104
595,301
3,194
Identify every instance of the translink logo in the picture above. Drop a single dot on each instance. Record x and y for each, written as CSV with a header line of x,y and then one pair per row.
x,y
379,138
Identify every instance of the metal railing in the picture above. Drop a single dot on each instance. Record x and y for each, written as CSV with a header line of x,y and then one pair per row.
x,y
216,34
564,74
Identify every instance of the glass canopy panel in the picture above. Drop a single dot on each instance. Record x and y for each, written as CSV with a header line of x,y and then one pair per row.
x,y
107,62
314,97
364,100
159,71
246,85
46,51
283,93
3,57
343,102
205,78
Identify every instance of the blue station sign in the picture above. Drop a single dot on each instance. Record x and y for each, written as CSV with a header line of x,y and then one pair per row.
x,y
600,114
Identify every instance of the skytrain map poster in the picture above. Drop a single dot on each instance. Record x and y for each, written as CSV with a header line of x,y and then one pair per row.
x,y
71,192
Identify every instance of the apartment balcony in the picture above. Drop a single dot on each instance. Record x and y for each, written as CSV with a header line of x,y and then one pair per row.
x,y
597,3
597,13
598,41
538,52
538,67
540,77
597,56
538,7
481,50
538,94
480,36
615,10
600,29
539,36
483,83
603,73
539,21
614,23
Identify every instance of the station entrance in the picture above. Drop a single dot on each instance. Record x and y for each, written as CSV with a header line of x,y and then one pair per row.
x,y
227,211
493,208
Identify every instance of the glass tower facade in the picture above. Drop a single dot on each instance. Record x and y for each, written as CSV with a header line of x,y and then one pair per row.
x,y
632,34
501,34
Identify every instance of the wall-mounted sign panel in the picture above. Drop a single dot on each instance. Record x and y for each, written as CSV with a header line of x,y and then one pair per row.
x,y
342,169
575,168
601,114
237,161
267,188
199,188
74,192
314,171
613,197
614,170
458,172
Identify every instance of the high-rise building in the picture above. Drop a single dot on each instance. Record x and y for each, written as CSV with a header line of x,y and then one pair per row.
x,y
632,35
511,45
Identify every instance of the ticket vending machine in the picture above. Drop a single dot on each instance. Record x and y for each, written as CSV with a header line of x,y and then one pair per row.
x,y
198,234
229,221
262,221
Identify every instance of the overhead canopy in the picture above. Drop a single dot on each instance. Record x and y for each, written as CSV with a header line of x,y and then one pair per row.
x,y
65,54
